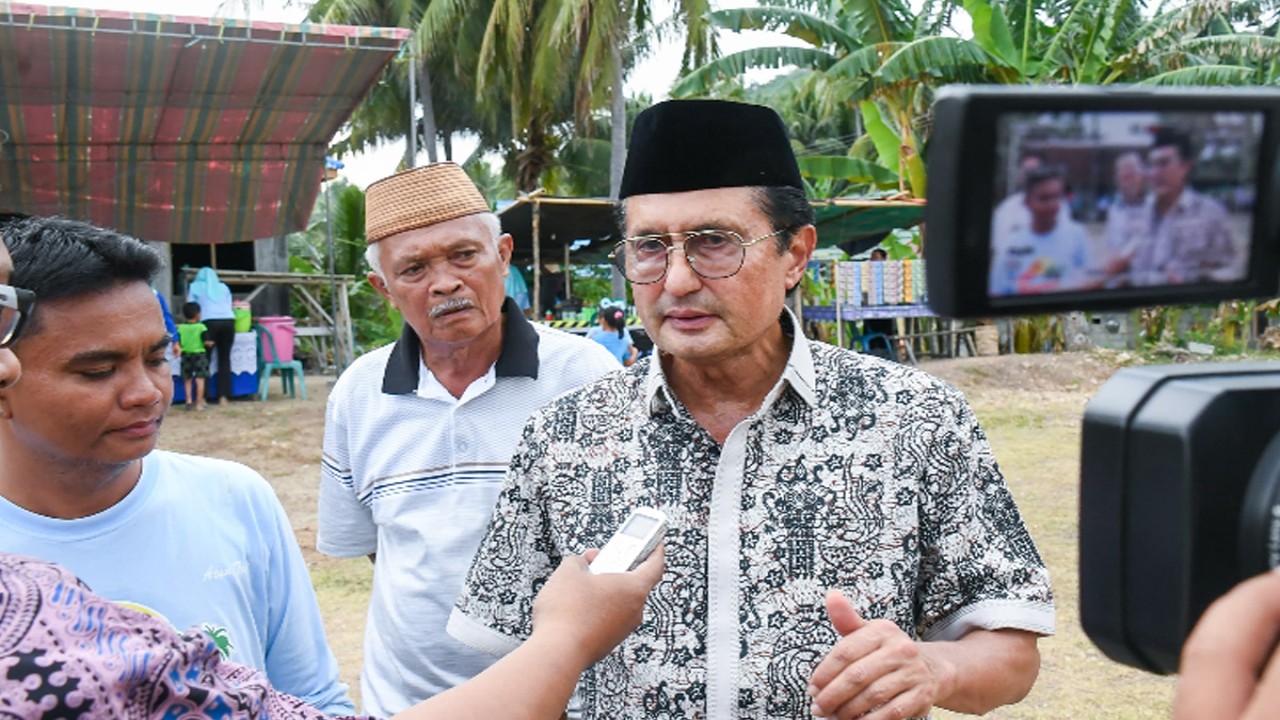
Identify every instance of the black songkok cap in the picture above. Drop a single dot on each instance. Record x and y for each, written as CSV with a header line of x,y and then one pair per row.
x,y
683,145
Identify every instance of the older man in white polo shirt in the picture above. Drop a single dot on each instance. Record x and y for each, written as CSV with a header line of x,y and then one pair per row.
x,y
418,434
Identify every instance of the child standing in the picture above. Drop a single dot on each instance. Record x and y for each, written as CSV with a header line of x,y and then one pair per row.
x,y
612,332
193,338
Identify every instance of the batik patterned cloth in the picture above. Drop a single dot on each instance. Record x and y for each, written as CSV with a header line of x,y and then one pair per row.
x,y
67,653
856,474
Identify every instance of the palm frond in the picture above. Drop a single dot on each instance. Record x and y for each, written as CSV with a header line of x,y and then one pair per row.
x,y
840,167
1207,75
700,81
804,26
879,21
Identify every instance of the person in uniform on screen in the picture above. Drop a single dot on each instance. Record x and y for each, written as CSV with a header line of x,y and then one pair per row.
x,y
1190,233
1049,254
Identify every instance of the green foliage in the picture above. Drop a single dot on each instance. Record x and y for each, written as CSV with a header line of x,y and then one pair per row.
x,y
902,244
592,283
853,170
374,322
1039,333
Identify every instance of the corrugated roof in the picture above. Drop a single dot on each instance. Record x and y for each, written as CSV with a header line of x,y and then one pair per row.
x,y
177,129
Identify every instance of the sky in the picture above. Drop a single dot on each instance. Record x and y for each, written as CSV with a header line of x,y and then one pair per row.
x,y
653,76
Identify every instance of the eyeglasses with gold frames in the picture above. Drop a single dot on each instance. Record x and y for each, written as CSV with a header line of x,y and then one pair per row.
x,y
713,254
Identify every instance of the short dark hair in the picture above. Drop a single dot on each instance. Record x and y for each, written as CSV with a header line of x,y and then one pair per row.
x,y
1176,138
787,208
57,258
1043,174
190,310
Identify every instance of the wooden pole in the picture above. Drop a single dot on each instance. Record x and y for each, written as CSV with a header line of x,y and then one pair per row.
x,y
568,279
537,260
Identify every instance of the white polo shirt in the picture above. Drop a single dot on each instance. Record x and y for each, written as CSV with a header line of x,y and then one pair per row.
x,y
412,473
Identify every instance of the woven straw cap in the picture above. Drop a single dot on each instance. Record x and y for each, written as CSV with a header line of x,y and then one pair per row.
x,y
419,197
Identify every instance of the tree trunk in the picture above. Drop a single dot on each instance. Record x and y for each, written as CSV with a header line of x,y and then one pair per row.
x,y
618,122
533,159
428,111
617,154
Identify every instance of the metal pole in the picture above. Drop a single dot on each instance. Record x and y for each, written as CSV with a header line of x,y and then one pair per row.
x,y
568,276
413,102
338,358
538,310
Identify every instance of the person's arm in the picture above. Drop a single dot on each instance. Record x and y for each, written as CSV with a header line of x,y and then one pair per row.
x,y
876,671
345,526
1229,669
298,658
578,618
981,598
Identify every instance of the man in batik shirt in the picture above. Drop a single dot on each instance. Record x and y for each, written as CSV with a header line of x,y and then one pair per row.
x,y
841,541
1190,234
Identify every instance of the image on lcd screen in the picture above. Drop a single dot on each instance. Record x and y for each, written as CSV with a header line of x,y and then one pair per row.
x,y
1111,200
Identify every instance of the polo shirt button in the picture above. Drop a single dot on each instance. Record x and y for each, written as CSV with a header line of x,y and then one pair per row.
x,y
463,446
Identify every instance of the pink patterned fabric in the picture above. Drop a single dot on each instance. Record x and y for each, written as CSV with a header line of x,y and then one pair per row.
x,y
67,653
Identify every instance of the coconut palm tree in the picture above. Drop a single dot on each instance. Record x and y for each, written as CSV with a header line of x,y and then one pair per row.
x,y
448,107
879,58
551,64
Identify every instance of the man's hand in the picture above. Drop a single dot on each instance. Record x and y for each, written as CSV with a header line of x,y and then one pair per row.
x,y
594,612
1229,670
874,672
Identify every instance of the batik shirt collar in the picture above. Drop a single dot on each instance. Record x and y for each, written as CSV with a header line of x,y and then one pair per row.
x,y
798,373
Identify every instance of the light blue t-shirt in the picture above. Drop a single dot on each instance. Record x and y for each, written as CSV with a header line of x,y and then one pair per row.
x,y
1028,262
203,543
619,347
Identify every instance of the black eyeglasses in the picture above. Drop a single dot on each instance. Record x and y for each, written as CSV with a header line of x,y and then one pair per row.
x,y
15,307
713,254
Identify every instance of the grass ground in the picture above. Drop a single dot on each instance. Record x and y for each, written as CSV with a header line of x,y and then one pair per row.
x,y
1030,407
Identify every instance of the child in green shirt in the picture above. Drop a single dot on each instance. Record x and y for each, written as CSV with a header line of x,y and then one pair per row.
x,y
192,338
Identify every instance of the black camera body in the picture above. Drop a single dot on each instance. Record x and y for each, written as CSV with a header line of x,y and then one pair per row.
x,y
1180,465
1176,501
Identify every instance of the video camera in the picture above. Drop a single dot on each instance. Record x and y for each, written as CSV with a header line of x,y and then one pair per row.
x,y
1054,199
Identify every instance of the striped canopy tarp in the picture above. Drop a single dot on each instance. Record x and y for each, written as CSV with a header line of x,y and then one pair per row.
x,y
175,129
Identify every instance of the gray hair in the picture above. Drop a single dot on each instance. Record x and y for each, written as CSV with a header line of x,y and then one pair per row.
x,y
1130,158
373,257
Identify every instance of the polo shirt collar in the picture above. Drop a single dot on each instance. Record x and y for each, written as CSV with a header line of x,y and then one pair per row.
x,y
518,357
798,373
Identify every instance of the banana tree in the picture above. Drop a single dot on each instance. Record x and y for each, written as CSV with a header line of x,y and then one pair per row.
x,y
869,56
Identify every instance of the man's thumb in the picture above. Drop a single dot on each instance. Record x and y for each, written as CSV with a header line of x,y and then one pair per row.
x,y
843,616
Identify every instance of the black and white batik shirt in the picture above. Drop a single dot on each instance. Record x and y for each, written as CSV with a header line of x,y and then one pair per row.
x,y
856,474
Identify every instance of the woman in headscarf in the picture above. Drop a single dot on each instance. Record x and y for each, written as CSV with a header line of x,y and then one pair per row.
x,y
216,313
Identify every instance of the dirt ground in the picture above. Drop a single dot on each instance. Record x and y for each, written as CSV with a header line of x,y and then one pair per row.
x,y
281,438
1030,406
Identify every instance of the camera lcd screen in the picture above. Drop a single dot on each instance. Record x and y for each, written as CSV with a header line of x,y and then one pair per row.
x,y
1112,200
1079,198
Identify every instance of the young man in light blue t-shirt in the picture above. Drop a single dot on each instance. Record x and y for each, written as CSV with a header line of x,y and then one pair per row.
x,y
197,541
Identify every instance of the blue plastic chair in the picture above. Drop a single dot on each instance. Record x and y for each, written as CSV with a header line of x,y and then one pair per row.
x,y
288,370
886,349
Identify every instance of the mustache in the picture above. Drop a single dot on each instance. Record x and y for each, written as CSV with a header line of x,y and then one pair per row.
x,y
450,306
